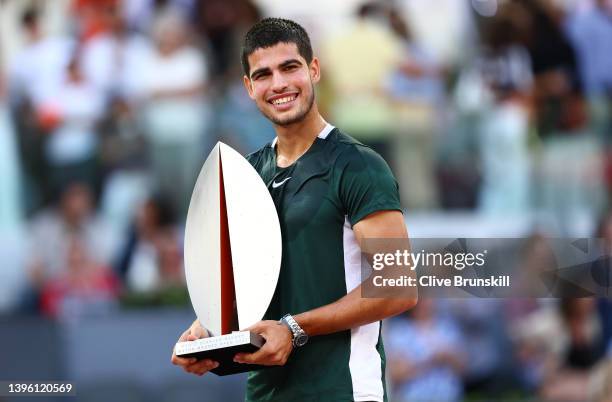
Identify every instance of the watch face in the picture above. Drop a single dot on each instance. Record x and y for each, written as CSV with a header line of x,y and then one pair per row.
x,y
300,340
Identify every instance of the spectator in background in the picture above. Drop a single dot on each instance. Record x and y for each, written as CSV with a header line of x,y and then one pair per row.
x,y
416,88
569,377
72,147
536,335
505,69
223,22
123,158
176,111
84,288
444,27
590,32
358,62
484,342
531,320
425,356
560,350
444,31
33,78
558,88
52,231
150,259
141,14
93,17
570,192
38,68
113,60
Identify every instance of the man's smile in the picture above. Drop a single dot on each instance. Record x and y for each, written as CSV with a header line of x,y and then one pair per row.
x,y
284,101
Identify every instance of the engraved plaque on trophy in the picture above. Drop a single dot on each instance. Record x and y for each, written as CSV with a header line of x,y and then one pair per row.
x,y
232,258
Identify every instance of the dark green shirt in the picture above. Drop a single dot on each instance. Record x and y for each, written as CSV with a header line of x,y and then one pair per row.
x,y
319,198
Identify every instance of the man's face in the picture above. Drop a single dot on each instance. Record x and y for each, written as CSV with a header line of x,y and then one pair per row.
x,y
281,83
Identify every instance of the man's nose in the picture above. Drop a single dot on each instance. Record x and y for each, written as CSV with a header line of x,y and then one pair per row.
x,y
279,82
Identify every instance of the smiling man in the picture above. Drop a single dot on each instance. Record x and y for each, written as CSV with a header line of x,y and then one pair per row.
x,y
331,193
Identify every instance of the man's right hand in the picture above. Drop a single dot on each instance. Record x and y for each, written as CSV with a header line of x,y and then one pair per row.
x,y
191,364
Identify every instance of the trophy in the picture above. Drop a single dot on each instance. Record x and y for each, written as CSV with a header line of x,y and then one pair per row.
x,y
232,258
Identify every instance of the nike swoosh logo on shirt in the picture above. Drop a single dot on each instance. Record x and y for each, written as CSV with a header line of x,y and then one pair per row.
x,y
275,184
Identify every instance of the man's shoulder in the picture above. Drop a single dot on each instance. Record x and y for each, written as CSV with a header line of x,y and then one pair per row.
x,y
343,140
257,158
351,151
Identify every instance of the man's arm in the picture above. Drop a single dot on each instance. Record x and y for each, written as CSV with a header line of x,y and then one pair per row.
x,y
348,312
353,310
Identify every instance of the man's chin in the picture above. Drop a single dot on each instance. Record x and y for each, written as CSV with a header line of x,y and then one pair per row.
x,y
287,120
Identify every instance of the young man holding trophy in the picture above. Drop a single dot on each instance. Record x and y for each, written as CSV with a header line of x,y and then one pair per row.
x,y
331,192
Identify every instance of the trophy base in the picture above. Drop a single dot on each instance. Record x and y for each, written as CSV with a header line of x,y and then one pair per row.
x,y
222,349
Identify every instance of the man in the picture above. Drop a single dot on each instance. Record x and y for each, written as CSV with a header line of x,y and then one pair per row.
x,y
331,193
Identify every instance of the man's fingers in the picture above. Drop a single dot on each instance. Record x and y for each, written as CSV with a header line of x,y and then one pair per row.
x,y
200,332
201,367
262,357
187,337
258,327
184,336
182,361
253,328
244,357
251,358
191,364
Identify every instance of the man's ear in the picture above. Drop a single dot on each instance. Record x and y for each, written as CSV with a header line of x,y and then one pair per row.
x,y
249,86
315,70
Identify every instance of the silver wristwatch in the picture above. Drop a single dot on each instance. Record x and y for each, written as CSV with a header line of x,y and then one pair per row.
x,y
300,337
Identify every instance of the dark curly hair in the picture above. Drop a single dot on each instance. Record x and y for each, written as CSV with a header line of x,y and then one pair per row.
x,y
270,31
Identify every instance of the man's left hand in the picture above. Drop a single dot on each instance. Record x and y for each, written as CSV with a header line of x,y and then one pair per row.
x,y
277,348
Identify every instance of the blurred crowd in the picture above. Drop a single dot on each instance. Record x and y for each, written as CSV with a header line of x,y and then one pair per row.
x,y
108,109
107,117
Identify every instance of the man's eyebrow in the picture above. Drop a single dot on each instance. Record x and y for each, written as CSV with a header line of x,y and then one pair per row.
x,y
288,62
260,71
283,64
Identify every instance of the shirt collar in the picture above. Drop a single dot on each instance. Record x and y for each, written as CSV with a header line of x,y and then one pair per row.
x,y
323,134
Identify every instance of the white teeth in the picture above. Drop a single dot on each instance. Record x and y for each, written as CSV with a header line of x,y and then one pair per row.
x,y
286,99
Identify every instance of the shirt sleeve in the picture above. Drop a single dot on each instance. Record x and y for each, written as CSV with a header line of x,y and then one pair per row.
x,y
366,184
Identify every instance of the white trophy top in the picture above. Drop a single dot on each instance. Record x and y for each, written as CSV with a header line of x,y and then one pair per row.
x,y
255,239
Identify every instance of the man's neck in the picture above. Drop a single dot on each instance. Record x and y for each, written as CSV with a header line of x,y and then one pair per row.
x,y
295,139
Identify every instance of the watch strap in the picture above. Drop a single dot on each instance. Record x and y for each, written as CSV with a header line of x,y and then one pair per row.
x,y
296,331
